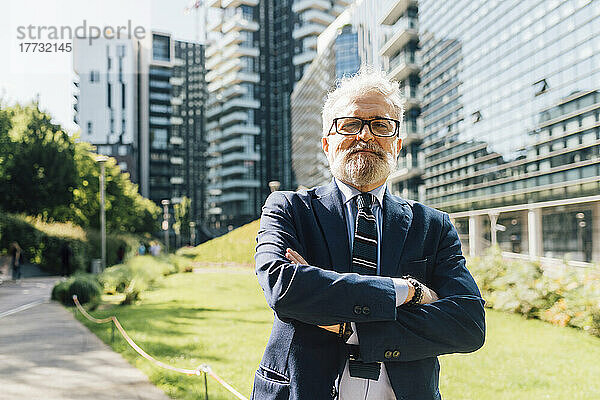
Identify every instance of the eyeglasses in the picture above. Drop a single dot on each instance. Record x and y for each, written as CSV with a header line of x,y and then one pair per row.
x,y
383,127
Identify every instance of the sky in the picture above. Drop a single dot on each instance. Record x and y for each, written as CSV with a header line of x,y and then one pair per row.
x,y
25,76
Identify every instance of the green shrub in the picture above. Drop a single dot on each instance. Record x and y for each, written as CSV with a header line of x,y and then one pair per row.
x,y
85,286
137,274
564,296
42,242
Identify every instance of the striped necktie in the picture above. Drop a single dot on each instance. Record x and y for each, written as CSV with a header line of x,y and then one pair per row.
x,y
364,262
364,250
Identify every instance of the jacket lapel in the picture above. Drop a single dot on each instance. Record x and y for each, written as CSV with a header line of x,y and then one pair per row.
x,y
397,217
327,206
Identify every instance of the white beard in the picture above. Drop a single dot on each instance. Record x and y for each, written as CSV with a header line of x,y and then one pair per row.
x,y
362,169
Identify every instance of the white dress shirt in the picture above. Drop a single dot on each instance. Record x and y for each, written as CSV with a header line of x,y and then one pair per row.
x,y
351,388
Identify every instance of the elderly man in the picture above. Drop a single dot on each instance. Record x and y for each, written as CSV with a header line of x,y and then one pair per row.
x,y
367,288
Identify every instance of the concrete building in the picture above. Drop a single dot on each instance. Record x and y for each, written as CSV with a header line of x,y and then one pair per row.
x,y
142,102
510,114
257,51
105,86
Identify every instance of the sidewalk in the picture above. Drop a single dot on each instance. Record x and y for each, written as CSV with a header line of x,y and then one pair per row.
x,y
46,354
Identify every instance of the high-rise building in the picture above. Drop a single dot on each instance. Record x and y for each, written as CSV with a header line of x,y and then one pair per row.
x,y
257,51
142,102
105,108
400,53
510,113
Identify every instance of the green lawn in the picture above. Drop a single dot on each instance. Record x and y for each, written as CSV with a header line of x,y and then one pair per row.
x,y
221,319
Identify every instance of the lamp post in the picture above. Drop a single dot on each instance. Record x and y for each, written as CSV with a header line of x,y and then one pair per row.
x,y
192,233
102,160
165,223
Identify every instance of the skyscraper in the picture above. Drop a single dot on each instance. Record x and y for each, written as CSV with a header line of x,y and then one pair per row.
x,y
142,102
510,111
257,52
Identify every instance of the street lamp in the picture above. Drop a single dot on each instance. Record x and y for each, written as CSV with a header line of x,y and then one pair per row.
x,y
165,223
102,160
192,233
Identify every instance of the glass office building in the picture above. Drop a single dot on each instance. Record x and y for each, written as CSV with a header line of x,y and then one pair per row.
x,y
510,117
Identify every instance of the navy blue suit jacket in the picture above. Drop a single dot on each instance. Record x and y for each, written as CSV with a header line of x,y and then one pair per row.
x,y
302,361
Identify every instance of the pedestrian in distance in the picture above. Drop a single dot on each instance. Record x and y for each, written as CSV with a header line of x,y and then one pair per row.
x,y
367,288
16,254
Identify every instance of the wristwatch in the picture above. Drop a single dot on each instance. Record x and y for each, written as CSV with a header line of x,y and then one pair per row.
x,y
418,296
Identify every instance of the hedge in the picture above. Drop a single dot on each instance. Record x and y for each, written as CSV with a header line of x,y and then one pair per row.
x,y
562,295
41,242
85,286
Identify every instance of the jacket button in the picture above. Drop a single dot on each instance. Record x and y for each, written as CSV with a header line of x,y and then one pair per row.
x,y
396,354
357,310
388,354
366,310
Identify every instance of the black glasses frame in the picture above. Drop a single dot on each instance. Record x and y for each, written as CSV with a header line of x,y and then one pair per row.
x,y
363,123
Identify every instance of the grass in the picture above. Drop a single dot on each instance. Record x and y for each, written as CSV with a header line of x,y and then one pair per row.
x,y
221,319
236,246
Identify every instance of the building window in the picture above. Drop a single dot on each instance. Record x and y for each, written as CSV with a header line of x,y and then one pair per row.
x,y
161,47
94,76
109,95
541,87
89,128
123,96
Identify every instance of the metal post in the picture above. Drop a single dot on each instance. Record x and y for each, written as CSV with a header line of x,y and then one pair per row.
x,y
165,224
205,387
102,160
192,233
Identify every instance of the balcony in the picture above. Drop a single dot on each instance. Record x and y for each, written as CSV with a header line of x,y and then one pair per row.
x,y
412,96
229,197
403,65
318,16
240,51
240,102
235,90
311,29
234,37
337,9
310,43
213,62
212,75
214,26
238,23
233,157
214,86
397,9
223,172
212,125
213,3
241,130
236,143
213,112
176,180
300,6
176,101
240,76
237,3
404,30
240,183
176,140
239,116
304,58
229,66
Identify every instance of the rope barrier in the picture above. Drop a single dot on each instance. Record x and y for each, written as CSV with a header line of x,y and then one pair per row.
x,y
201,369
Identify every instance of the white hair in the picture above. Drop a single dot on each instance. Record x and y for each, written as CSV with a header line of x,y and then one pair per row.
x,y
366,80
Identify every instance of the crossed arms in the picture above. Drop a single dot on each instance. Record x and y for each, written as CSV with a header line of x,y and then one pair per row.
x,y
297,291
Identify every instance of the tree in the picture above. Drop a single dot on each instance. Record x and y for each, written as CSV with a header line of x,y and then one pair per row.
x,y
39,171
181,226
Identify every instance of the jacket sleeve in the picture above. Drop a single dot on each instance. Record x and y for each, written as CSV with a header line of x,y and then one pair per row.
x,y
454,323
311,294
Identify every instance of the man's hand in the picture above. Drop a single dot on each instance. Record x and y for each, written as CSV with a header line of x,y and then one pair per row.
x,y
294,256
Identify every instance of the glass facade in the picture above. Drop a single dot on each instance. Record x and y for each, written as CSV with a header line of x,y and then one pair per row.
x,y
510,102
347,60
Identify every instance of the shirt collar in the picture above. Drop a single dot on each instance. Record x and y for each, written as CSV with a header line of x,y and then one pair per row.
x,y
349,192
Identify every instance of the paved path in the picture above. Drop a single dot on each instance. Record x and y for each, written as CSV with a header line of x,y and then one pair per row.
x,y
46,354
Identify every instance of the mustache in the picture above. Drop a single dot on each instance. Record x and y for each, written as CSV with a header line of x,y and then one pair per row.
x,y
361,146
